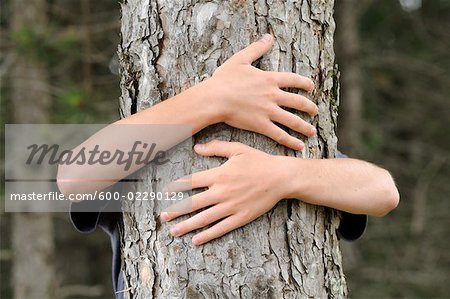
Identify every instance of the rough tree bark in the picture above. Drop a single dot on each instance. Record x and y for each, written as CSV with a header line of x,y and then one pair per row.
x,y
292,251
32,233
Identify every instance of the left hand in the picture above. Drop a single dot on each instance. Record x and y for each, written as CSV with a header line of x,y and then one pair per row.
x,y
248,185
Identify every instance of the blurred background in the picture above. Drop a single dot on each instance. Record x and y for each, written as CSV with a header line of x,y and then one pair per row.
x,y
58,57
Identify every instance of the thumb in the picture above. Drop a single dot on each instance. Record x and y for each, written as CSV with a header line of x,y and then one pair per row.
x,y
254,50
220,148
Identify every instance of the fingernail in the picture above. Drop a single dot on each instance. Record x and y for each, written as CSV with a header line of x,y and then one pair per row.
x,y
313,131
174,231
164,216
317,110
312,86
266,38
300,145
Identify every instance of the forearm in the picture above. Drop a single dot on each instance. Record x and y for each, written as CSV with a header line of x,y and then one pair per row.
x,y
349,185
237,94
189,109
193,107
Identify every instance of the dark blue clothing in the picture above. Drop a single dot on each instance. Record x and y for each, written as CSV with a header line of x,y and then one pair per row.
x,y
109,222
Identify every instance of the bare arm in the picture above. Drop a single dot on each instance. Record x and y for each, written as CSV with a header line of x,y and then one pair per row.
x,y
349,185
251,182
237,94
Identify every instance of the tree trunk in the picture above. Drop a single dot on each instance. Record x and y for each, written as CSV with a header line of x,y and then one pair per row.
x,y
32,233
290,252
351,123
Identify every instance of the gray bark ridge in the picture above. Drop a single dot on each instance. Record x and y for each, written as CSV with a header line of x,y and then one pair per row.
x,y
290,252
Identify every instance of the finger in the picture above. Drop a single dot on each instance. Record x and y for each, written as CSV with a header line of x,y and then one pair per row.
x,y
194,181
299,102
220,148
225,226
294,122
254,50
292,80
282,137
192,204
200,220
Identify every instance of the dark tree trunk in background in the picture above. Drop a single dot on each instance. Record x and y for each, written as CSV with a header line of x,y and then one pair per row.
x,y
350,122
32,233
290,252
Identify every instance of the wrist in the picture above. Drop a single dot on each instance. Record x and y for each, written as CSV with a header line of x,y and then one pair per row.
x,y
295,178
215,99
287,173
203,96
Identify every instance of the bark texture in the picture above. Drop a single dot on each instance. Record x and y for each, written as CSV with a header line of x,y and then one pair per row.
x,y
290,252
32,242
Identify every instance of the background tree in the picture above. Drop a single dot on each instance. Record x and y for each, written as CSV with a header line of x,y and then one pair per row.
x,y
30,98
293,250
41,53
405,115
349,58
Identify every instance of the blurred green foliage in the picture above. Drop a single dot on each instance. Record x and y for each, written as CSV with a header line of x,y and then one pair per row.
x,y
48,47
61,49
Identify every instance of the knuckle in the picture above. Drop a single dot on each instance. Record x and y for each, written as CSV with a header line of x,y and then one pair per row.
x,y
270,93
306,82
270,79
281,138
213,143
222,177
243,215
195,205
263,126
271,110
214,176
207,235
298,125
301,101
220,231
293,123
204,220
217,194
273,93
224,229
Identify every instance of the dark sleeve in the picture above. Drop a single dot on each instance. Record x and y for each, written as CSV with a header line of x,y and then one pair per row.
x,y
352,226
86,216
83,218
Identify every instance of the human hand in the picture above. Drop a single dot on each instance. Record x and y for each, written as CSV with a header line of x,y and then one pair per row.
x,y
251,99
248,185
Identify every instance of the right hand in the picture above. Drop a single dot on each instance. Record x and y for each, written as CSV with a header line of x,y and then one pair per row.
x,y
251,99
